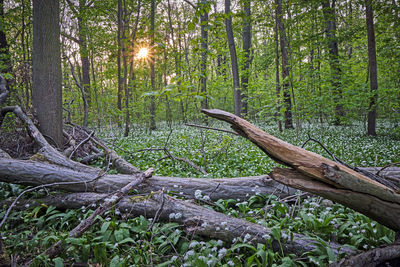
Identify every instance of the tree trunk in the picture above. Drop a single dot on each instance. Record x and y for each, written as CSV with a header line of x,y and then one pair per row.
x,y
177,58
373,70
204,51
246,34
6,63
277,83
152,73
285,66
237,97
47,78
119,55
330,20
83,50
125,68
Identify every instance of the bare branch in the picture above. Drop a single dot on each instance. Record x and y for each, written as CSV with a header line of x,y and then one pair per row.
x,y
191,4
210,128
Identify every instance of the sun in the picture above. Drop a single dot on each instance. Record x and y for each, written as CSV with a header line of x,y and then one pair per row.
x,y
143,53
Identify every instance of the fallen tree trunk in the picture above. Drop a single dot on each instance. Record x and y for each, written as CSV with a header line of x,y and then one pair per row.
x,y
373,258
27,172
196,220
316,174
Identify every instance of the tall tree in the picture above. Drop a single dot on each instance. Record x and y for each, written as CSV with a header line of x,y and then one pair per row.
x,y
5,63
328,8
246,37
237,98
119,56
129,85
46,66
285,65
277,82
373,70
152,73
80,13
203,6
177,58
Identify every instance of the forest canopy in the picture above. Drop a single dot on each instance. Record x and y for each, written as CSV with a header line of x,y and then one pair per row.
x,y
102,43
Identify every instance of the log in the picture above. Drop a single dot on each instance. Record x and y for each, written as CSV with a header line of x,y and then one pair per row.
x,y
28,172
373,257
384,212
317,174
196,220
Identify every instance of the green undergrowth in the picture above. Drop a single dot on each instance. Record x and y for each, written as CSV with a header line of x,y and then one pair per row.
x,y
119,241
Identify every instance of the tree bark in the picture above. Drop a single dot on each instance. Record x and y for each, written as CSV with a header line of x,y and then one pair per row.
x,y
83,50
372,258
285,66
237,97
6,63
277,83
47,91
373,70
204,50
119,56
246,36
33,173
152,73
328,9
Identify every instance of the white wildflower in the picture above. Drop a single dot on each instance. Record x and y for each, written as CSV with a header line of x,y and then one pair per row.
x,y
246,237
222,252
266,236
193,244
206,198
197,194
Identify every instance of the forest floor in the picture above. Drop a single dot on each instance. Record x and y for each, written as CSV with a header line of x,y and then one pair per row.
x,y
118,241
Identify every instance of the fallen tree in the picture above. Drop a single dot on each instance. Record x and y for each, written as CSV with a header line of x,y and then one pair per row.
x,y
375,197
33,173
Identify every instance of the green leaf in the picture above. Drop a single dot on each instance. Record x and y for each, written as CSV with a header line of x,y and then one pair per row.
x,y
58,262
104,227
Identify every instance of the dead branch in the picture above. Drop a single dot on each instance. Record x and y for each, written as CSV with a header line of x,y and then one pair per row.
x,y
210,128
82,143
